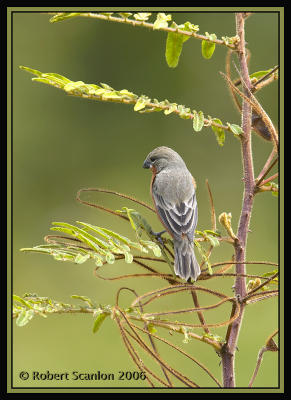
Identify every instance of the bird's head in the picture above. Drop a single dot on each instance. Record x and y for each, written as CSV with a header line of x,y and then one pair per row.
x,y
162,157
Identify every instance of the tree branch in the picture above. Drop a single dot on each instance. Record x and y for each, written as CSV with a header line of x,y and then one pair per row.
x,y
135,22
229,349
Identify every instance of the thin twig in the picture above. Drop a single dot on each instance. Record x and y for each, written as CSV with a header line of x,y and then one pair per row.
x,y
270,346
271,178
148,25
267,167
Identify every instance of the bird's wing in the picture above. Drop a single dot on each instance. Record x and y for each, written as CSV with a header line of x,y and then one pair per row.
x,y
179,219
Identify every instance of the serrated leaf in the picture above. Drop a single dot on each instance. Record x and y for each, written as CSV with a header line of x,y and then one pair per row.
x,y
219,132
198,120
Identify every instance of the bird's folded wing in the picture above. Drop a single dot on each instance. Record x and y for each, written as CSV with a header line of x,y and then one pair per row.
x,y
178,218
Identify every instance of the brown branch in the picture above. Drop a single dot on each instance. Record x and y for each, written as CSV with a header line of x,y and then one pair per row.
x,y
146,328
229,349
271,178
267,167
156,357
269,346
143,24
182,352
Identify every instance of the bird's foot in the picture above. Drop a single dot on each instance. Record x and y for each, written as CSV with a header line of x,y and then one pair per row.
x,y
158,235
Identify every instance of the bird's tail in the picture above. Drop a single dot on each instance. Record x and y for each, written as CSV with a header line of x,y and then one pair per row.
x,y
186,265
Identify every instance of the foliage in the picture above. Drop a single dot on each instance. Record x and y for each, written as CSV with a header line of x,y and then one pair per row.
x,y
84,241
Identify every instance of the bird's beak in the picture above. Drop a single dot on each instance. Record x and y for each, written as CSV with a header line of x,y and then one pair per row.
x,y
147,164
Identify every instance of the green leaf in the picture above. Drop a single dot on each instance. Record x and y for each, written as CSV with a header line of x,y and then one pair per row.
x,y
81,234
151,328
211,336
109,258
78,86
62,16
275,186
198,120
32,71
162,21
213,240
98,260
128,257
208,47
24,317
125,14
142,16
213,233
172,107
259,74
235,129
117,236
219,132
83,298
99,321
57,77
204,256
174,44
140,104
152,246
22,301
42,80
81,258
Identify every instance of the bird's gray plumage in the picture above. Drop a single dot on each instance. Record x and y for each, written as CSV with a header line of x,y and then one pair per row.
x,y
174,196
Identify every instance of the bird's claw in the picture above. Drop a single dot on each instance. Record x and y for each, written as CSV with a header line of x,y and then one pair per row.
x,y
158,236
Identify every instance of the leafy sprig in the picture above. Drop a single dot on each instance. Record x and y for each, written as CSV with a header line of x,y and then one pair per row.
x,y
142,103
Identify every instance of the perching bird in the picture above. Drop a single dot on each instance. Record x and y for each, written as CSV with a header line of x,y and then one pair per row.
x,y
173,190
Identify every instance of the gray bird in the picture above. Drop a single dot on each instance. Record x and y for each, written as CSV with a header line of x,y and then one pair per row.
x,y
173,190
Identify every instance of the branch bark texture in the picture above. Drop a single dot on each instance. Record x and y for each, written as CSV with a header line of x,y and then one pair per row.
x,y
229,349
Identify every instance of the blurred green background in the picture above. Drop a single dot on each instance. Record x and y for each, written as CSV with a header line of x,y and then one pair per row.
x,y
62,144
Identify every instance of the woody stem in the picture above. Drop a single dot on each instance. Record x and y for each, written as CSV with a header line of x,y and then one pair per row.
x,y
229,349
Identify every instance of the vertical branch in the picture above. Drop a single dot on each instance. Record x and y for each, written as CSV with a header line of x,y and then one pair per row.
x,y
229,349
